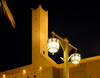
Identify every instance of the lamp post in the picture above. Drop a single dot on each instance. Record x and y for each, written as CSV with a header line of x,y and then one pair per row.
x,y
53,46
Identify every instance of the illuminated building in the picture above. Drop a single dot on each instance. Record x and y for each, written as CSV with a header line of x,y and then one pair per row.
x,y
42,65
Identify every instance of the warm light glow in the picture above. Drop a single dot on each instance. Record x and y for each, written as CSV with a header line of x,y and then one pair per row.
x,y
40,68
76,57
4,75
24,71
53,45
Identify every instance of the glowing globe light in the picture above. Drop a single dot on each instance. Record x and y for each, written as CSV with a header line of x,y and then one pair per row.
x,y
76,57
24,71
53,45
4,75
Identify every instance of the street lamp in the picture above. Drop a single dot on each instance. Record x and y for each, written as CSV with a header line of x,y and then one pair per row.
x,y
76,57
53,47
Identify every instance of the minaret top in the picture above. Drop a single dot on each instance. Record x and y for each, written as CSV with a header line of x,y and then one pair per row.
x,y
39,6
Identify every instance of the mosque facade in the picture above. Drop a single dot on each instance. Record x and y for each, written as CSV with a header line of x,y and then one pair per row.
x,y
42,65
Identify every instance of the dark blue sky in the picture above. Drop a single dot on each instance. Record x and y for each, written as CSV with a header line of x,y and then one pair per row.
x,y
79,23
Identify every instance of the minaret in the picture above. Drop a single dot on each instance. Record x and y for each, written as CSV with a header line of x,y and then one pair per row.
x,y
39,32
42,64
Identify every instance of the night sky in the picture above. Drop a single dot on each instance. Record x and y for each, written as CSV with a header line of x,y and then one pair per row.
x,y
79,23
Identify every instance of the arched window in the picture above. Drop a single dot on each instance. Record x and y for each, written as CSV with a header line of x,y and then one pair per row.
x,y
27,76
35,76
43,52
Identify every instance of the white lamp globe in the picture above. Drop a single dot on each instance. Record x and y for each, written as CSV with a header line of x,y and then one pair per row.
x,y
53,45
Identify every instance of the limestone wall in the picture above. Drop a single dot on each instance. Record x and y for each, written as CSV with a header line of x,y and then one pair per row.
x,y
88,68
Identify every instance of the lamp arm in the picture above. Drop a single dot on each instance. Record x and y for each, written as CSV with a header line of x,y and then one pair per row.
x,y
68,57
61,58
53,33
